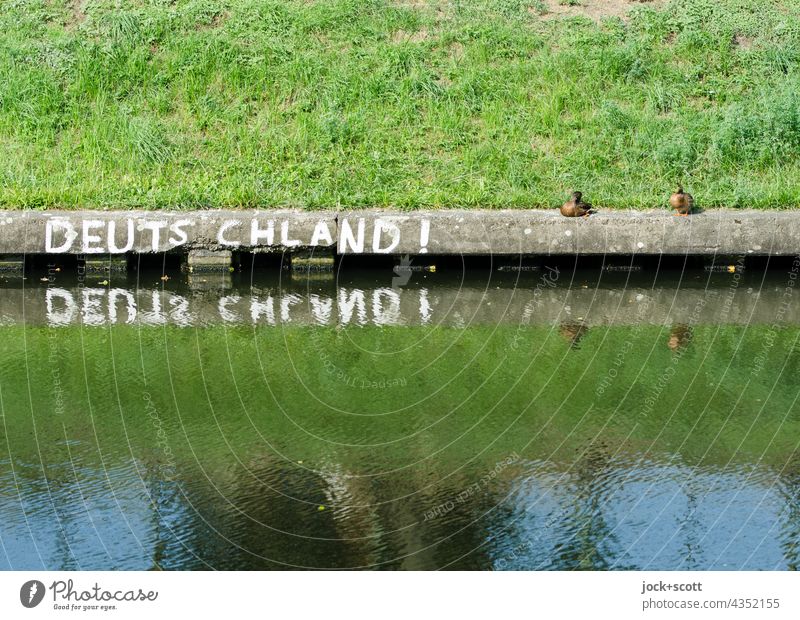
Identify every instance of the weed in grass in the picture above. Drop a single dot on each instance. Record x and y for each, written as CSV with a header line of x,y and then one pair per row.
x,y
539,7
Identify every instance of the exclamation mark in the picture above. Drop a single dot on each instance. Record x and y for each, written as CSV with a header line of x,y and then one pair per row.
x,y
424,233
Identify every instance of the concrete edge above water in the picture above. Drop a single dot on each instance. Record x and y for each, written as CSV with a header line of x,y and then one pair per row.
x,y
370,232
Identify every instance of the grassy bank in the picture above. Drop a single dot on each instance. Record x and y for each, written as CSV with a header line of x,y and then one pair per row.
x,y
409,104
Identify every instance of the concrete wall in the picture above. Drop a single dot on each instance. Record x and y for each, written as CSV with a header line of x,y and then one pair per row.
x,y
447,232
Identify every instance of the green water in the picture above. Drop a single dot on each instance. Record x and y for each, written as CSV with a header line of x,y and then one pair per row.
x,y
493,446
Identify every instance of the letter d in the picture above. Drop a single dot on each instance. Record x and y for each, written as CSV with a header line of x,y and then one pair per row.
x,y
70,234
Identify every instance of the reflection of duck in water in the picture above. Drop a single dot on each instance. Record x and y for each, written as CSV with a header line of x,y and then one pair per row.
x,y
679,337
573,333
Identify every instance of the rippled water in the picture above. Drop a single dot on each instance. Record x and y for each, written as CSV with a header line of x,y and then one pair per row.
x,y
523,421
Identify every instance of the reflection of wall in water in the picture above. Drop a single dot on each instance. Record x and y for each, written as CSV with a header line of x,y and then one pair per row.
x,y
359,306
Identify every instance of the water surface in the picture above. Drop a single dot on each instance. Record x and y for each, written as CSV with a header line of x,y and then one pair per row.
x,y
534,420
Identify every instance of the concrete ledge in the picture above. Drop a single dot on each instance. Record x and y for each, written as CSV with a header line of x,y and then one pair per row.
x,y
12,264
447,232
106,264
199,261
549,233
310,261
139,232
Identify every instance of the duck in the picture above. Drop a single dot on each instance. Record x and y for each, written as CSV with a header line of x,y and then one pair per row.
x,y
575,207
681,202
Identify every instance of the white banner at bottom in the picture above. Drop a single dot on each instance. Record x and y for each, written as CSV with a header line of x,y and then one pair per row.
x,y
351,595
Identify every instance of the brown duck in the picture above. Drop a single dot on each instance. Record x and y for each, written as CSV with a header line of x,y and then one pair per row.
x,y
575,207
681,202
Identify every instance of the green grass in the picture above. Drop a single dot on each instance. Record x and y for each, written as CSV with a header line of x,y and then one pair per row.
x,y
480,103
